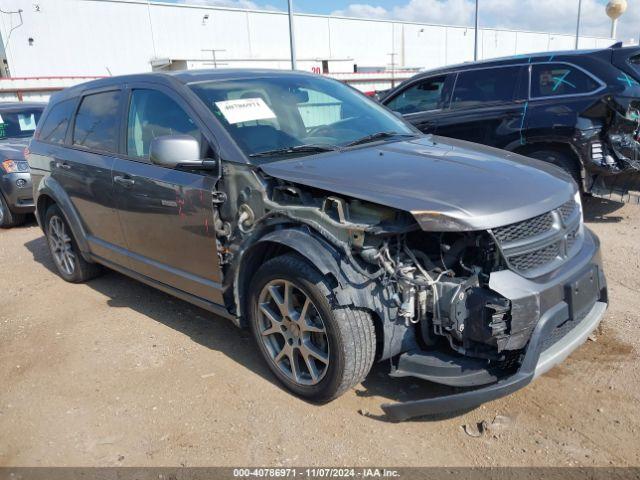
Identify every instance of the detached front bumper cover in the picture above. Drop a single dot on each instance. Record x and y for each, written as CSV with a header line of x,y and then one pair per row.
x,y
535,363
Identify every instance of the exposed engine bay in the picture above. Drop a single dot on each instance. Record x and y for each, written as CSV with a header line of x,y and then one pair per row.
x,y
441,282
436,284
617,156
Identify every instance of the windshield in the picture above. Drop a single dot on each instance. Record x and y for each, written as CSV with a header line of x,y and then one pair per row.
x,y
19,123
267,116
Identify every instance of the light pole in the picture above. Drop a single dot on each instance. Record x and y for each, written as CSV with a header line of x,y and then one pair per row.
x,y
292,39
578,23
475,45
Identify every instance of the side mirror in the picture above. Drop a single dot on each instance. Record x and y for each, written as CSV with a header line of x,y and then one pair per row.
x,y
171,151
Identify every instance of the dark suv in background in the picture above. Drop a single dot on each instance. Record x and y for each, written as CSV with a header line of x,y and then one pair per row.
x,y
294,205
579,110
17,123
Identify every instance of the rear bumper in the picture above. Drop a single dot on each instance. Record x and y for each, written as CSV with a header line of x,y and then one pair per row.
x,y
567,316
17,191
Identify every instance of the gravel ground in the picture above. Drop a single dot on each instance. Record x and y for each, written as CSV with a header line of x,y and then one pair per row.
x,y
116,373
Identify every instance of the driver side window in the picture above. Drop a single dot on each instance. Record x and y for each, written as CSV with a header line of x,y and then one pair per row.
x,y
428,94
153,114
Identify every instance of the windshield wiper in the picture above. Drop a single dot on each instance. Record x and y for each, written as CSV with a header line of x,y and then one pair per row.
x,y
377,136
296,149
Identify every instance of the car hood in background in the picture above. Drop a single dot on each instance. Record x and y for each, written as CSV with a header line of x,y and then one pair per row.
x,y
448,185
13,148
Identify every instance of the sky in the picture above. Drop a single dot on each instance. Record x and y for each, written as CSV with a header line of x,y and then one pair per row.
x,y
557,16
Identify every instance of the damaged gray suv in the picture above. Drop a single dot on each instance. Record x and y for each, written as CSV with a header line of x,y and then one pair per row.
x,y
335,231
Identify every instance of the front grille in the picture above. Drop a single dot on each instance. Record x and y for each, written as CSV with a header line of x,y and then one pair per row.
x,y
537,258
523,230
540,244
567,210
572,237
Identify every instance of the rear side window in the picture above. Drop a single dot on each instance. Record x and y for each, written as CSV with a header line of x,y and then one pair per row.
x,y
54,127
429,94
490,85
551,80
153,114
96,125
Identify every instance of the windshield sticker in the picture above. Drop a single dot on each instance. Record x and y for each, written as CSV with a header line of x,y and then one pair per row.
x,y
245,110
27,122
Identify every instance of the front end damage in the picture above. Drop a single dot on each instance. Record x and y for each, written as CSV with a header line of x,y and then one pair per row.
x,y
615,156
472,309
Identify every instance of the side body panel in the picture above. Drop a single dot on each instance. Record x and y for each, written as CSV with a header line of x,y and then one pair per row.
x,y
166,216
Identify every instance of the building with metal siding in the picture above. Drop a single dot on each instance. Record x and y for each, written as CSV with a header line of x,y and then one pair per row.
x,y
63,38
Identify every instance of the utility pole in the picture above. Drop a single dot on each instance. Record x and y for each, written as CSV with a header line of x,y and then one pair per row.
x,y
578,23
393,68
292,39
213,54
475,45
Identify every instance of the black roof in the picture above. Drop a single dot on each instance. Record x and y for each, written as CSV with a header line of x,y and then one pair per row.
x,y
529,57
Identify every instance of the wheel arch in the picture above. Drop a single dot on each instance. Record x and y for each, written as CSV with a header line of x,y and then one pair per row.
x,y
275,243
50,192
556,145
349,287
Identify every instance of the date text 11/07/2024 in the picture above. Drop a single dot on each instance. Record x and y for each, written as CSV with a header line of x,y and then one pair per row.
x,y
315,473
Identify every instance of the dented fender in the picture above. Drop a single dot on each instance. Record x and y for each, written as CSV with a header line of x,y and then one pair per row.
x,y
352,288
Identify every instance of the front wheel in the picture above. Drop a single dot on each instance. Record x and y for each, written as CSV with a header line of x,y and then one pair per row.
x,y
317,348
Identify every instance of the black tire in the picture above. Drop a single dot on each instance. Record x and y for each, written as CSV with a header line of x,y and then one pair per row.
x,y
77,271
9,219
560,159
350,334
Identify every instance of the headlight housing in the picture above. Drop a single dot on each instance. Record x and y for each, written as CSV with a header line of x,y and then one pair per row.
x,y
15,166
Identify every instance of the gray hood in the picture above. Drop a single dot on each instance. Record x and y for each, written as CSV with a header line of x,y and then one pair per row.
x,y
13,148
448,185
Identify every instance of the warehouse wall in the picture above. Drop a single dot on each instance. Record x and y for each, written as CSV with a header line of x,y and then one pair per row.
x,y
91,37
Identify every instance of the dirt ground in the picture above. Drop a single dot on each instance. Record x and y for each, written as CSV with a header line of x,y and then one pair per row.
x,y
116,373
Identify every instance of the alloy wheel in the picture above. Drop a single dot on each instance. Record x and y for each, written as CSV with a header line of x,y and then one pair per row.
x,y
61,246
293,332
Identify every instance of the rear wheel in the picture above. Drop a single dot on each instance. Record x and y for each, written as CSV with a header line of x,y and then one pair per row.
x,y
560,159
64,249
9,219
317,348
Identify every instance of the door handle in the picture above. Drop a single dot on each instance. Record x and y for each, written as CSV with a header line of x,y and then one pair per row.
x,y
63,165
125,181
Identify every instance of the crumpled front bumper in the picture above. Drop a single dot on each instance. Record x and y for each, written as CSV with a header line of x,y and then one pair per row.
x,y
562,327
536,362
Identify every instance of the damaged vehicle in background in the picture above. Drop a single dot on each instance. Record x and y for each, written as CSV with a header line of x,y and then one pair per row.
x,y
579,110
334,230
